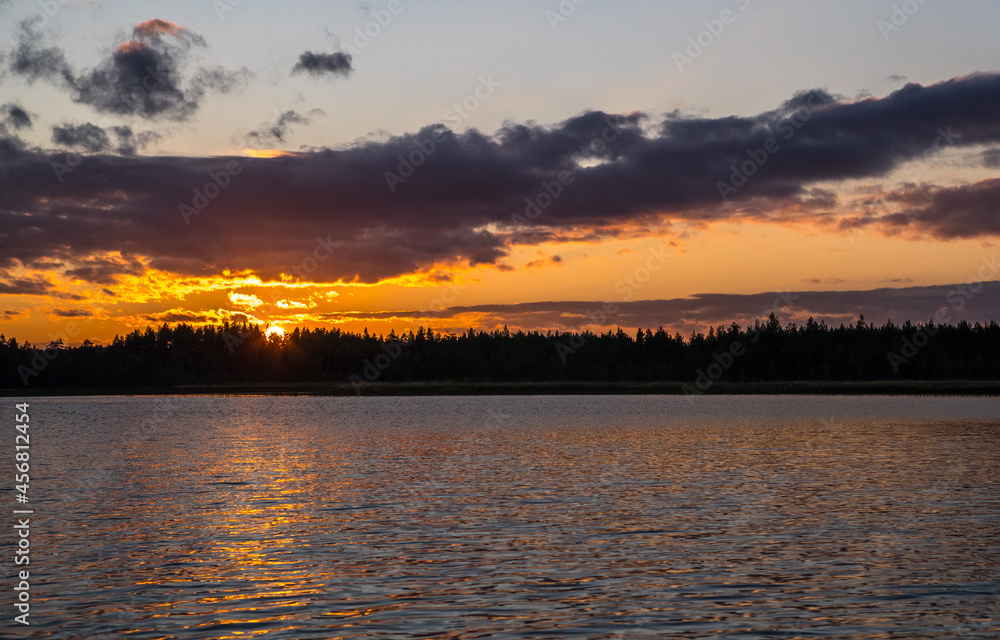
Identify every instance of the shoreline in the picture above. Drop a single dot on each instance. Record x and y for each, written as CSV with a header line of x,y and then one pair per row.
x,y
382,389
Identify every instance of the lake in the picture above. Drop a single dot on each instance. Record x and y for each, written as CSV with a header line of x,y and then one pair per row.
x,y
512,517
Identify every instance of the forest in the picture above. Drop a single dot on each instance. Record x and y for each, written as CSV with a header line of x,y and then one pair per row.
x,y
763,352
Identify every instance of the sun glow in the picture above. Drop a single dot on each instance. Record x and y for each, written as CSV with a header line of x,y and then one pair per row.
x,y
274,331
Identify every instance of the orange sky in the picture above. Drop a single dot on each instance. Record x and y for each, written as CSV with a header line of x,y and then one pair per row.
x,y
161,169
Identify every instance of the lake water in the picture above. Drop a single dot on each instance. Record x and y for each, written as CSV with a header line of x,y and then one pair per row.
x,y
512,517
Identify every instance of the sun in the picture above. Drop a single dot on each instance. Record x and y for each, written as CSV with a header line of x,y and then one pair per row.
x,y
275,331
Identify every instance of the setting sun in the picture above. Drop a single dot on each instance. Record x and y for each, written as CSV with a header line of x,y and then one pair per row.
x,y
500,319
275,331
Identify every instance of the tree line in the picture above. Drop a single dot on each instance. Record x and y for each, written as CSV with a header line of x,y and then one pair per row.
x,y
763,352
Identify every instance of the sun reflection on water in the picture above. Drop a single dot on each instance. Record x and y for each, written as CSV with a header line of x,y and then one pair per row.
x,y
319,518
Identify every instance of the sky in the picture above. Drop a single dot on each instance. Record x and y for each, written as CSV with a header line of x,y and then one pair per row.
x,y
544,165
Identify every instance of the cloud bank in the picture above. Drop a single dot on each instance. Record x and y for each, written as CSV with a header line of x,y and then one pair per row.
x,y
976,302
435,197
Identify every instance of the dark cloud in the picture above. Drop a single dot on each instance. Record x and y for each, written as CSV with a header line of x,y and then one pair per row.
x,y
142,77
463,198
72,313
87,137
34,62
275,130
319,64
178,316
9,315
15,116
825,280
541,262
991,158
105,270
965,211
130,142
699,312
25,286
93,139
32,286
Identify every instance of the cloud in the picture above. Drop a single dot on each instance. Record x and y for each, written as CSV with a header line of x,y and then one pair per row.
x,y
105,270
701,311
153,29
88,137
93,139
72,313
130,142
825,280
245,300
34,286
178,315
275,130
473,197
15,116
991,158
319,64
142,77
34,62
541,262
965,211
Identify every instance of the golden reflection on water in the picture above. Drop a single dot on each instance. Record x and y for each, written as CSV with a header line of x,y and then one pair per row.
x,y
597,518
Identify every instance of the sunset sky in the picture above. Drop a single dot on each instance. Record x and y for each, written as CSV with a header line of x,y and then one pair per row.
x,y
544,165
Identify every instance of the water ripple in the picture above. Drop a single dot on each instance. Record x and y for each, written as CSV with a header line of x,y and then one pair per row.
x,y
515,518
